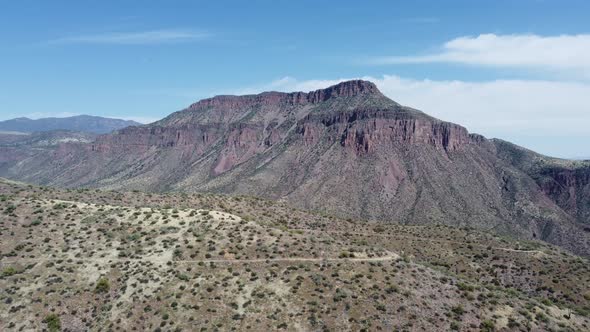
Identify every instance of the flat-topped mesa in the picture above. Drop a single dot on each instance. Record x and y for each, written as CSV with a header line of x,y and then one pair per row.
x,y
361,119
344,89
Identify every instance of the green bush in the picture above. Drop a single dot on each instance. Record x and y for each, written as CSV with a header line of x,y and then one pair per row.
x,y
10,209
487,326
8,271
458,310
102,286
53,322
60,206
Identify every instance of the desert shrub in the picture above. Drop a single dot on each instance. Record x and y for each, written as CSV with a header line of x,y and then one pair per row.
x,y
541,317
392,289
458,310
9,209
134,237
487,326
379,229
60,206
339,295
8,271
465,287
53,322
102,286
177,253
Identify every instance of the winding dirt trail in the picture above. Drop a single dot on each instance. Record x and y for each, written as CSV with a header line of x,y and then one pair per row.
x,y
389,257
399,236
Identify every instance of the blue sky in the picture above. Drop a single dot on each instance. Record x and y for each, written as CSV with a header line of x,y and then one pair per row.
x,y
517,70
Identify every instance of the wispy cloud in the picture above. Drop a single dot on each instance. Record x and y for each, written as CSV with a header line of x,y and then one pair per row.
x,y
563,52
136,38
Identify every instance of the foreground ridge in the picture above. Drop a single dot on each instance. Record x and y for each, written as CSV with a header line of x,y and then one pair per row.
x,y
90,259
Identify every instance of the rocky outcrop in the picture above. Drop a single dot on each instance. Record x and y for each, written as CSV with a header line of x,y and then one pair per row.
x,y
569,188
345,89
142,138
565,182
362,130
241,143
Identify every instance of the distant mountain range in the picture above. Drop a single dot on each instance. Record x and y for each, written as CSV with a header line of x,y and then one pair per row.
x,y
49,138
85,123
347,150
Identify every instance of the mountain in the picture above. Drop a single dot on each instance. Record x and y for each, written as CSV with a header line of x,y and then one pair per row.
x,y
87,123
346,150
566,182
83,260
49,138
18,146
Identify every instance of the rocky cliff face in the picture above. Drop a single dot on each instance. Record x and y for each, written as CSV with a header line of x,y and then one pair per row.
x,y
346,89
364,129
347,149
565,182
570,188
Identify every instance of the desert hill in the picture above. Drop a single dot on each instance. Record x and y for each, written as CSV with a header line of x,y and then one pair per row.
x,y
89,260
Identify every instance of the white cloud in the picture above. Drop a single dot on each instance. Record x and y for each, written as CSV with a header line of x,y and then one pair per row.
x,y
534,113
136,38
563,52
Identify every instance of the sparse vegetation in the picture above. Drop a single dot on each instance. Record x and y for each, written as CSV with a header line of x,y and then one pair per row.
x,y
102,285
53,322
8,271
160,268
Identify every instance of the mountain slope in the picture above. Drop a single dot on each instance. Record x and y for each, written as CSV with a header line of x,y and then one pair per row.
x,y
567,182
86,123
45,138
346,149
